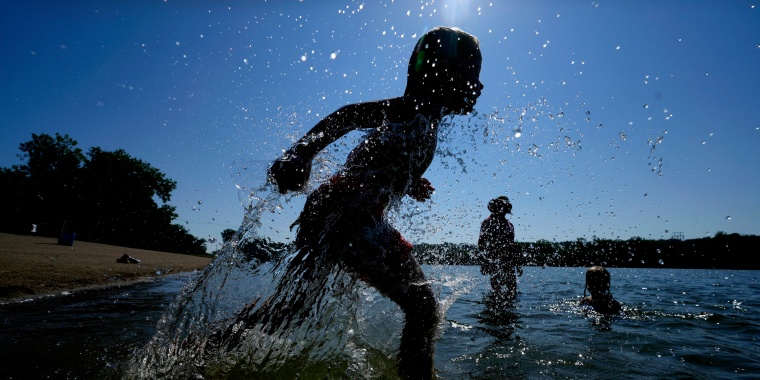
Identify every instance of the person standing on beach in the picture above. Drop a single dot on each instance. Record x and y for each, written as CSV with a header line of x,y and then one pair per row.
x,y
344,220
499,257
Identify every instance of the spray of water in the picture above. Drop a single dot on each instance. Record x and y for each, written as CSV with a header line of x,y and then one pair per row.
x,y
252,312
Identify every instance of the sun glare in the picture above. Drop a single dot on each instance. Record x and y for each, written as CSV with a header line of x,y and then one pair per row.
x,y
456,11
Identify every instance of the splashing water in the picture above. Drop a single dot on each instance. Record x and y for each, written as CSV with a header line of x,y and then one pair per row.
x,y
250,314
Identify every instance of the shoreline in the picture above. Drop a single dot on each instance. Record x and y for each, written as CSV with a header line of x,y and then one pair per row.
x,y
33,267
94,287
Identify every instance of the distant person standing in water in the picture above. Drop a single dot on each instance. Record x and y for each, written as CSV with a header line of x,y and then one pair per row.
x,y
344,220
600,298
499,256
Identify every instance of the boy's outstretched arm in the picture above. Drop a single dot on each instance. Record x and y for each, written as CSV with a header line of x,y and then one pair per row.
x,y
291,171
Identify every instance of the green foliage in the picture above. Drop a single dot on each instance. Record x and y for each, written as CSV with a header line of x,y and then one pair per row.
x,y
446,254
45,185
724,251
105,197
228,234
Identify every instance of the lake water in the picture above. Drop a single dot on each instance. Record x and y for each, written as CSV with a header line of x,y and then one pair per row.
x,y
699,324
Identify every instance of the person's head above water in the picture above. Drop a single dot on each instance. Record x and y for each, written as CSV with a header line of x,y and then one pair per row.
x,y
597,280
500,206
445,68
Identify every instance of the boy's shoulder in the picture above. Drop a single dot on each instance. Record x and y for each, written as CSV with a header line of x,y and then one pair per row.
x,y
401,107
380,105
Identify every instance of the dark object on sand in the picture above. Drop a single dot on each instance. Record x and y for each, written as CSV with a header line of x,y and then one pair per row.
x,y
127,259
67,239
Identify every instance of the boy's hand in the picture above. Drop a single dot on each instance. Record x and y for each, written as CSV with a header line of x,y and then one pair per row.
x,y
289,173
421,190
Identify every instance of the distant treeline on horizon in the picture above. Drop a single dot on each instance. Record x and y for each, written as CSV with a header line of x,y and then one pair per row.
x,y
723,251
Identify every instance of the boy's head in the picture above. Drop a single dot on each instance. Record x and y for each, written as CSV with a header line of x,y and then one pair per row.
x,y
500,206
597,280
445,66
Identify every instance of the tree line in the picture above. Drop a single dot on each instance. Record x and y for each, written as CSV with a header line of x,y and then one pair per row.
x,y
723,251
103,196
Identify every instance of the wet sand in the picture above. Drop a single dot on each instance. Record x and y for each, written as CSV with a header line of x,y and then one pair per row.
x,y
32,266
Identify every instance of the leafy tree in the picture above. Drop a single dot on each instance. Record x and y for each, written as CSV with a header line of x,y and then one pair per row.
x,y
107,197
14,210
228,234
120,198
44,190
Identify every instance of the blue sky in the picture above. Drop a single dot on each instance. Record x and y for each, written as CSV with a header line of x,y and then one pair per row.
x,y
634,118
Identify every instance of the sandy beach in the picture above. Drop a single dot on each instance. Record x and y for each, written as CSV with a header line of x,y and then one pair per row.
x,y
32,266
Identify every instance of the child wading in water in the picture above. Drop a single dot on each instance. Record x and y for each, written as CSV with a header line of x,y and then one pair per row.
x,y
344,220
598,284
500,258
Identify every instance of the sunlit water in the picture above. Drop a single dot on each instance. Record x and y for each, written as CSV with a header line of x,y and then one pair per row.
x,y
700,324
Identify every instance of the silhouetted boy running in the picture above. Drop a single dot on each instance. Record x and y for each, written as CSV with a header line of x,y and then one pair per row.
x,y
344,220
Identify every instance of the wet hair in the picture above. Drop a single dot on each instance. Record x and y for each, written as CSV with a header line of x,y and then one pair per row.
x,y
597,278
500,205
452,45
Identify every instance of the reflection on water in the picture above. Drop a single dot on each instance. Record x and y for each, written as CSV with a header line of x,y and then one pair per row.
x,y
676,324
81,335
499,311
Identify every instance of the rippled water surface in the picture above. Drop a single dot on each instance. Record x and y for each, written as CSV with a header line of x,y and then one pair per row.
x,y
677,324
